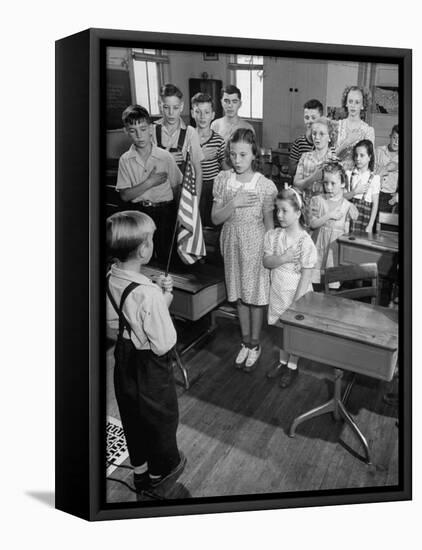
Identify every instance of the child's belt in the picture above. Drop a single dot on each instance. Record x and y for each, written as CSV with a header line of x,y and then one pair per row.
x,y
150,204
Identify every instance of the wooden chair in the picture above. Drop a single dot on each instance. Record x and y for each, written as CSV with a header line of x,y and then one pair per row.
x,y
388,221
353,273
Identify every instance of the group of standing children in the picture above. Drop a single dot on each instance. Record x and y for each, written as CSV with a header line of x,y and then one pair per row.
x,y
334,185
149,176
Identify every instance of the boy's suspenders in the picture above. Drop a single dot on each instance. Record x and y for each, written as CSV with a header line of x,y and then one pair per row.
x,y
180,143
123,322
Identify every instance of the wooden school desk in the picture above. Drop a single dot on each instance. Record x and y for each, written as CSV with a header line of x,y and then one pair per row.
x,y
195,293
346,334
381,248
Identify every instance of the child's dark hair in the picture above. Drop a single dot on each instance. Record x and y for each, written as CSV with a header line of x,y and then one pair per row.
x,y
170,90
125,231
314,104
335,167
395,129
243,135
231,89
202,98
369,149
365,97
134,114
294,199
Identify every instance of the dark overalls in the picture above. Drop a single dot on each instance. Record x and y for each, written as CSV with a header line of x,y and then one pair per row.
x,y
147,400
178,149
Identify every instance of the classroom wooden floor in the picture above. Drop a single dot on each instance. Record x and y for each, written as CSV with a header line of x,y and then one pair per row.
x,y
234,428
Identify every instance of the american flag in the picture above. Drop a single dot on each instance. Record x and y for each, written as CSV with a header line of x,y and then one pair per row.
x,y
190,241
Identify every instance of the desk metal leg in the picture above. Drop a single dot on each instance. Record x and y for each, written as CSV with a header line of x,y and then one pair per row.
x,y
182,369
356,431
203,335
327,407
348,389
336,406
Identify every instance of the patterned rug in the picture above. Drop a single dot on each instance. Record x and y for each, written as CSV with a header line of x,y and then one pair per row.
x,y
116,444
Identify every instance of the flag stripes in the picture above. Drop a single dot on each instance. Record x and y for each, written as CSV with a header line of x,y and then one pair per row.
x,y
190,240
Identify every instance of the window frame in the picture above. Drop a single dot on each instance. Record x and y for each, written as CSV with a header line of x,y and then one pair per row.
x,y
235,66
161,59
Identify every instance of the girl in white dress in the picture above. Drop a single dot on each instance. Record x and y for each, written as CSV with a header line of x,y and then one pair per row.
x,y
244,204
291,256
330,215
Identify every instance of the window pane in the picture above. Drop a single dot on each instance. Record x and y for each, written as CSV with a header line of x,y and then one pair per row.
x,y
250,84
153,87
257,93
243,83
141,84
250,59
146,85
143,50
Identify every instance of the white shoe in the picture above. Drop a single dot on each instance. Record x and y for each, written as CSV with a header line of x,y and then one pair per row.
x,y
253,357
241,356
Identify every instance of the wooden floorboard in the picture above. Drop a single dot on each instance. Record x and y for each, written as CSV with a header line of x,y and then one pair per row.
x,y
234,428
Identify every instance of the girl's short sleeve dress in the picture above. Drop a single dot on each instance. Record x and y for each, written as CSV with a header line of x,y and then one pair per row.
x,y
285,278
242,238
325,237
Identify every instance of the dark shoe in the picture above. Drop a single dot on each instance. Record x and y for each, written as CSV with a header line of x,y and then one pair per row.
x,y
172,475
275,370
391,399
142,482
288,376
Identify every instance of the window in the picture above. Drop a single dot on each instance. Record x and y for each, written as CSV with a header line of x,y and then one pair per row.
x,y
249,78
147,70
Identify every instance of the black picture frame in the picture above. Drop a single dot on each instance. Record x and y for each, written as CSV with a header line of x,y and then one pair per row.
x,y
79,274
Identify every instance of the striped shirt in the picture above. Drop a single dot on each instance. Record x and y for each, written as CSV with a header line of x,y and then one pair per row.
x,y
210,168
299,146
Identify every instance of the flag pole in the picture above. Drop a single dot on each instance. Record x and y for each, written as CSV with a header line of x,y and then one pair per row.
x,y
177,220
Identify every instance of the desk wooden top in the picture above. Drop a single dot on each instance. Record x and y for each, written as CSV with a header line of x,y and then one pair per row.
x,y
345,318
385,240
196,279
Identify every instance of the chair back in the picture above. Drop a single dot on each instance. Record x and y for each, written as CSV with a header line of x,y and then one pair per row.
x,y
353,273
389,220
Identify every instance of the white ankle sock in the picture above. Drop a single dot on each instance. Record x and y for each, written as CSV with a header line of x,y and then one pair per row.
x,y
141,469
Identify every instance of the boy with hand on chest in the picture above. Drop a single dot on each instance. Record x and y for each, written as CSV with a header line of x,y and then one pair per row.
x,y
148,177
172,134
213,147
312,110
143,374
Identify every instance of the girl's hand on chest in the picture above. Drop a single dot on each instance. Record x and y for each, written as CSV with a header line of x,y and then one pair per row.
x,y
244,199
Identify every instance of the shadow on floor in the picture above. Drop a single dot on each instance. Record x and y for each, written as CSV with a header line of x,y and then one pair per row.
x,y
45,497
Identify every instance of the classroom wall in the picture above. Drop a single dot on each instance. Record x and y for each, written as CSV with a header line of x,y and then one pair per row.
x,y
339,75
282,114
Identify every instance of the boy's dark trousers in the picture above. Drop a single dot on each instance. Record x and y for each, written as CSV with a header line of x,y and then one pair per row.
x,y
383,202
164,217
147,400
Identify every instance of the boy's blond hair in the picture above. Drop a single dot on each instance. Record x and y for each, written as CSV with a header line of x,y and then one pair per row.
x,y
126,231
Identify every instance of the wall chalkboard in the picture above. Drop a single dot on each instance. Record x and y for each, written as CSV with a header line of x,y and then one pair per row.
x,y
118,97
